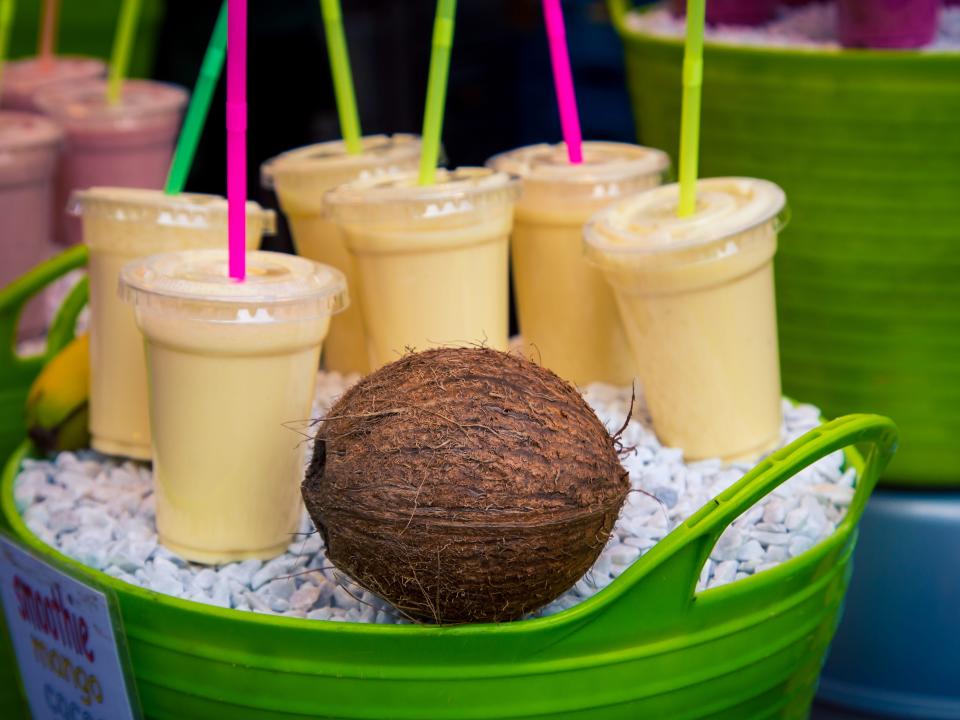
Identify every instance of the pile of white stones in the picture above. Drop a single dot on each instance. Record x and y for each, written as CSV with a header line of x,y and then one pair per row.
x,y
100,512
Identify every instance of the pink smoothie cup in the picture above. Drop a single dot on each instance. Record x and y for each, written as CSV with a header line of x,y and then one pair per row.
x,y
29,145
128,144
887,23
733,12
22,79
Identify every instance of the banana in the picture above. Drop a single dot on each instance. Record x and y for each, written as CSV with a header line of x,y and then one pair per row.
x,y
56,409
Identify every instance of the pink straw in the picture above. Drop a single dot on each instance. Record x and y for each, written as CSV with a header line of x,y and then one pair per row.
x,y
562,79
237,136
48,32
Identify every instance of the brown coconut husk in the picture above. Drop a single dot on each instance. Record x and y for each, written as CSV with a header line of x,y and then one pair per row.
x,y
464,485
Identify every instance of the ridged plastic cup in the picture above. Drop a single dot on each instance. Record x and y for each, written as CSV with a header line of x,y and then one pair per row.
x,y
129,144
887,23
697,299
22,79
566,309
300,178
232,367
733,12
431,261
29,146
121,225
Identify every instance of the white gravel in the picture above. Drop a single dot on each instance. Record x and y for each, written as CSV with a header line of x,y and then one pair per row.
x,y
811,26
100,512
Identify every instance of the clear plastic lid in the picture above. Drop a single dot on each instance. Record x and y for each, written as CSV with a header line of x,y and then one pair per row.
x,y
22,131
399,151
603,162
195,284
85,103
465,191
647,224
29,74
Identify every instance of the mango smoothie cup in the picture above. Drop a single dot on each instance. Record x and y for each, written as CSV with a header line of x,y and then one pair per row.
x,y
300,178
431,261
697,299
120,225
232,367
566,309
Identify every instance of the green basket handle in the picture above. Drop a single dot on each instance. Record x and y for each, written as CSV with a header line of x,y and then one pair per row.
x,y
662,584
15,295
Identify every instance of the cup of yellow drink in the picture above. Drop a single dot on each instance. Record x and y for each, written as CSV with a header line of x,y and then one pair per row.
x,y
300,178
431,260
231,367
565,307
696,295
120,225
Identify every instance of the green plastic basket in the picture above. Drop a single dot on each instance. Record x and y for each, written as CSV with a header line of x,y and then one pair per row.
x,y
647,646
867,146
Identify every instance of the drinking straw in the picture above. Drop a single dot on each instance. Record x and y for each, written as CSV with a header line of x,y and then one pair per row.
x,y
48,32
563,80
6,21
342,77
196,116
237,136
690,113
122,44
436,89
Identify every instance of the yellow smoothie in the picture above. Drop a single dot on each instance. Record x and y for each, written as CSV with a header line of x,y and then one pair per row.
x,y
566,309
431,261
231,368
120,225
301,177
697,299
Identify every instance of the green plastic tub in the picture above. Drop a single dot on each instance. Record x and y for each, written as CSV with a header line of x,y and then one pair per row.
x,y
867,146
647,646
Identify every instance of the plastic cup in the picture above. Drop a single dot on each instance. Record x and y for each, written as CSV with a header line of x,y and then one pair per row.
x,y
129,144
733,12
29,146
301,177
121,225
230,365
696,297
22,79
431,260
565,307
887,23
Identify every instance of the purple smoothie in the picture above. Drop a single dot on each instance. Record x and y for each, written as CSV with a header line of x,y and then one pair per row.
x,y
22,79
887,23
29,145
124,145
733,12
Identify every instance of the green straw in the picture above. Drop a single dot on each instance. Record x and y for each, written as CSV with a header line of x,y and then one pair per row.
x,y
122,44
690,114
342,77
196,117
6,22
436,89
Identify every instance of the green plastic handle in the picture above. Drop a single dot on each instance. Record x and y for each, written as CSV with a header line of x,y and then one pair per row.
x,y
663,582
15,295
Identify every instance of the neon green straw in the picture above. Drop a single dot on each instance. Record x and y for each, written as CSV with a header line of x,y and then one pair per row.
x,y
342,77
437,89
122,44
690,114
6,22
196,117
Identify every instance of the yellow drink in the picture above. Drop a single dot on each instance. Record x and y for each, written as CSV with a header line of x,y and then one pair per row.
x,y
431,261
301,178
231,368
697,299
120,225
566,309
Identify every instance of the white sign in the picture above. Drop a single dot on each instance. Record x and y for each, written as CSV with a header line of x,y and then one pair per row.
x,y
64,639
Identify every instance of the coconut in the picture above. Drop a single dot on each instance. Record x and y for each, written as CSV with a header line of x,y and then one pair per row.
x,y
464,485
